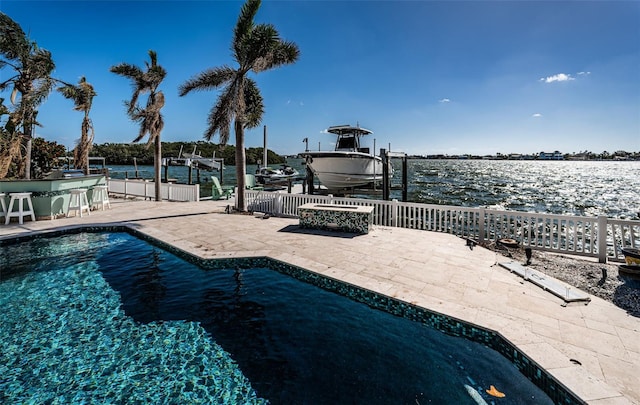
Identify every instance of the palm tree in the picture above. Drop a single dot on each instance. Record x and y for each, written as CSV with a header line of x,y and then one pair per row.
x,y
149,118
32,80
255,48
82,96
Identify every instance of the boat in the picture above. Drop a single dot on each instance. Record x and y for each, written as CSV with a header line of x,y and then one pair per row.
x,y
349,165
269,175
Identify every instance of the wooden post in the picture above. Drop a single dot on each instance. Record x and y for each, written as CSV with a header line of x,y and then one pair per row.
x,y
265,156
310,180
404,178
385,174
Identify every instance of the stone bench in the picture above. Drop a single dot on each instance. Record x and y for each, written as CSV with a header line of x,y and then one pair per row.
x,y
345,218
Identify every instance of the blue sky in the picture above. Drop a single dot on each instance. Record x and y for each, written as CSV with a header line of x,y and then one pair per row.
x,y
428,77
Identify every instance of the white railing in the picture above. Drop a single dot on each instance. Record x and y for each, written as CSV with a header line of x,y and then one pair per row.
x,y
146,189
599,237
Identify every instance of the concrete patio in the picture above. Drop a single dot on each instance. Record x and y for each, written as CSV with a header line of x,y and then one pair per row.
x,y
593,349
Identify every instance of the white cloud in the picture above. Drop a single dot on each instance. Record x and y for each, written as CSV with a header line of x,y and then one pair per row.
x,y
537,115
560,77
584,73
444,100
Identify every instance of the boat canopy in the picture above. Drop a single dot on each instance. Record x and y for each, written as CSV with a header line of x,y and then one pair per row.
x,y
348,130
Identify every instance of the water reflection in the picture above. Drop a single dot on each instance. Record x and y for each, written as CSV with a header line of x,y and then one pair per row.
x,y
577,188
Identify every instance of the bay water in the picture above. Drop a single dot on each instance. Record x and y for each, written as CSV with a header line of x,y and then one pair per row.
x,y
585,188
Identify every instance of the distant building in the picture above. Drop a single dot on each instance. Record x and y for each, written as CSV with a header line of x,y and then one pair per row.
x,y
551,156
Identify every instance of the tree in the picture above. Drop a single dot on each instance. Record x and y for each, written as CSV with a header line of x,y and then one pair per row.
x,y
45,156
82,96
149,118
255,48
32,80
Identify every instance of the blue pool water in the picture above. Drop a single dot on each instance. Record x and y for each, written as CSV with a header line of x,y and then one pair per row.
x,y
107,317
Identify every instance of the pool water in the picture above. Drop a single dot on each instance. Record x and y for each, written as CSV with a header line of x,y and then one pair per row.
x,y
107,317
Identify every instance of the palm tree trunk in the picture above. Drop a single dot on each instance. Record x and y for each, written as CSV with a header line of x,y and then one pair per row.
x,y
241,166
157,160
27,157
28,136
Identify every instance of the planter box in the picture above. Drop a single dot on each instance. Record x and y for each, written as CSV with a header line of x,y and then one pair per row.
x,y
50,197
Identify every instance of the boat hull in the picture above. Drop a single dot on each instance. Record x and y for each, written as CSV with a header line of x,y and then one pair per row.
x,y
341,170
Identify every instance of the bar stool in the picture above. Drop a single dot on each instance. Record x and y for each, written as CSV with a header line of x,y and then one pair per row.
x,y
3,207
78,201
100,197
21,212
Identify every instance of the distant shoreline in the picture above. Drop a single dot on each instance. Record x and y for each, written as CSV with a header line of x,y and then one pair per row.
x,y
571,159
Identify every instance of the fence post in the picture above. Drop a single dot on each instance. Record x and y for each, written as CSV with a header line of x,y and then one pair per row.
x,y
330,198
395,208
602,239
277,210
481,222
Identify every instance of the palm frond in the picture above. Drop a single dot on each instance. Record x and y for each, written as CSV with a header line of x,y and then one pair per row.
x,y
208,80
135,74
287,52
127,70
14,43
41,90
244,25
68,91
269,51
41,63
220,116
81,94
254,103
149,118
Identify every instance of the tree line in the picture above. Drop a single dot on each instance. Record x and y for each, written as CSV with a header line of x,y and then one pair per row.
x,y
124,153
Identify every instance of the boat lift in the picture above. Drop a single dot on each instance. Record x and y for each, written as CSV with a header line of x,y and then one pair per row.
x,y
193,161
386,183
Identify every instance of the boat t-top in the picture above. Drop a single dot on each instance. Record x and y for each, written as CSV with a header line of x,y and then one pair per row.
x,y
349,165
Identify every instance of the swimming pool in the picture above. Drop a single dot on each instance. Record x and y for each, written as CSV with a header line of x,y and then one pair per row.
x,y
90,316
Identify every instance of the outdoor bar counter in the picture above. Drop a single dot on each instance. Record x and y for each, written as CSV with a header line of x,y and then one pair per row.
x,y
50,197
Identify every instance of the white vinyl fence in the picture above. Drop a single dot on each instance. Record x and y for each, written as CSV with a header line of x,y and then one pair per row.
x,y
599,237
146,189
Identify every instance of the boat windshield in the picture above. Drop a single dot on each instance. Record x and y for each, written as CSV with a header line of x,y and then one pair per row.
x,y
346,142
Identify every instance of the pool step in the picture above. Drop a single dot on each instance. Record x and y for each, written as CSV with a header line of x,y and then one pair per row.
x,y
564,291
